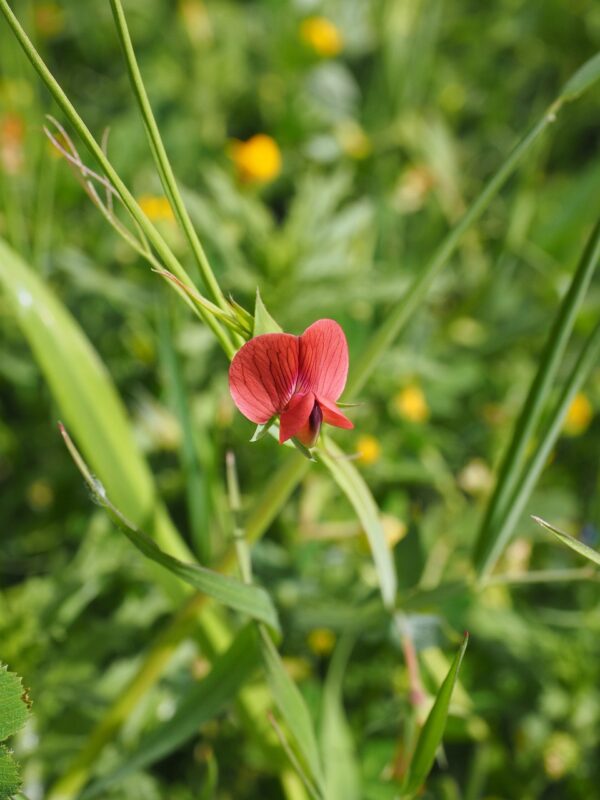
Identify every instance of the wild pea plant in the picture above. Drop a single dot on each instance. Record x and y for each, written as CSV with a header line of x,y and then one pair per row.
x,y
289,386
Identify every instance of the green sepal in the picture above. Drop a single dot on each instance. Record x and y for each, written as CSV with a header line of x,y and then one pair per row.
x,y
303,449
263,321
262,430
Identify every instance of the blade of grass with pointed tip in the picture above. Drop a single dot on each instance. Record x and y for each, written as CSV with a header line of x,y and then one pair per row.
x,y
292,708
86,396
580,82
489,542
585,77
249,599
588,358
342,775
433,730
579,547
351,482
196,706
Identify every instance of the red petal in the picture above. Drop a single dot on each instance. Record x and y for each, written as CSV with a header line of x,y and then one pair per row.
x,y
333,416
295,416
263,375
323,359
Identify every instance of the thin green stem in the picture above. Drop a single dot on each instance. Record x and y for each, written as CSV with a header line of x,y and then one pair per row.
x,y
161,158
235,506
164,252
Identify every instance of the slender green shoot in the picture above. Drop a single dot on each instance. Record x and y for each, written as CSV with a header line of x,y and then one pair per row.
x,y
160,156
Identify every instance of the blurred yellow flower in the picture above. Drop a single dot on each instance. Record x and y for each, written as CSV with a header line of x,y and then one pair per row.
x,y
49,19
411,404
196,21
258,160
156,208
475,477
12,137
561,755
579,415
412,189
322,36
394,529
40,495
321,641
353,140
369,449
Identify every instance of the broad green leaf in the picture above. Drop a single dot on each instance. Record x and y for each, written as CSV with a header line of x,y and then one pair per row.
x,y
351,482
342,775
433,729
10,778
251,600
583,79
13,706
490,542
263,321
195,707
14,710
292,708
86,396
579,547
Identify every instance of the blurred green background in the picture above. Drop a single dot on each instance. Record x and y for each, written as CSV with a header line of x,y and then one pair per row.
x,y
325,149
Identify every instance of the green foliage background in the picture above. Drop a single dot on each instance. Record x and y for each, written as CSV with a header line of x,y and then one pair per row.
x,y
384,146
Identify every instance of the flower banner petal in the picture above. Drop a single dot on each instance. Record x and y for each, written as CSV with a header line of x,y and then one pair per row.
x,y
323,359
263,375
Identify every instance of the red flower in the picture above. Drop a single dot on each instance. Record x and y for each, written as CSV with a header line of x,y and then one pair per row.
x,y
299,378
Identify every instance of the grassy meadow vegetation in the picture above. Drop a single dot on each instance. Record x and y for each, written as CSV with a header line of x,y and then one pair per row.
x,y
426,173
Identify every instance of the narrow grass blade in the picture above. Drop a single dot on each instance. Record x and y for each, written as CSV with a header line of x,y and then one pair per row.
x,y
351,482
342,774
579,547
194,447
581,81
588,358
250,600
86,397
433,730
196,706
489,544
292,708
